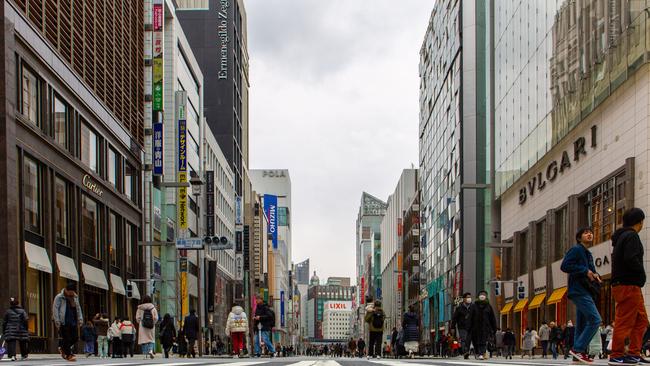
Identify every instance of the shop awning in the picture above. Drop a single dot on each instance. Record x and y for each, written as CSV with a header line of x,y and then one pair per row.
x,y
192,285
94,276
556,296
136,291
506,309
117,284
37,258
521,305
67,268
537,301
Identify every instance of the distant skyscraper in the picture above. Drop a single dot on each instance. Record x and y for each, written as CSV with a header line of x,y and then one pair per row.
x,y
302,272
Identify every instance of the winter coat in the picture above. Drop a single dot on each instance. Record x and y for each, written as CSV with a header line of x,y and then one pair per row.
x,y
267,317
483,322
544,333
568,335
361,344
627,258
191,327
59,306
237,321
393,337
498,338
114,331
88,333
127,328
529,341
14,326
577,262
462,317
167,334
369,319
410,325
555,335
101,326
509,339
146,335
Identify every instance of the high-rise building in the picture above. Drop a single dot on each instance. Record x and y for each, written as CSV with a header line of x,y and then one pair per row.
x,y
217,33
70,159
454,155
302,272
318,295
336,320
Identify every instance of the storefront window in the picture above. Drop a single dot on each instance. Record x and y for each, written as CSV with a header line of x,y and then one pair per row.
x,y
89,148
32,195
31,91
604,207
129,181
113,167
33,303
90,227
61,210
60,121
131,240
561,224
113,244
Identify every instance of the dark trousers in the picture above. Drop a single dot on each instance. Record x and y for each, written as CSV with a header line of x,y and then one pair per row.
x,y
544,348
11,347
166,349
191,351
116,347
127,344
374,348
69,336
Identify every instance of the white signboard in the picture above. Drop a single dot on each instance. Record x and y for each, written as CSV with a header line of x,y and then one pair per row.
x,y
238,211
189,243
239,266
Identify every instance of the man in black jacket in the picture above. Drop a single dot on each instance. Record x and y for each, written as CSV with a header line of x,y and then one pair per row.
x,y
191,328
462,320
628,277
264,323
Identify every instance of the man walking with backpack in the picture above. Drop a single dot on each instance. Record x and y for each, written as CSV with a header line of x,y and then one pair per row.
x,y
191,327
628,277
584,285
147,317
264,323
375,319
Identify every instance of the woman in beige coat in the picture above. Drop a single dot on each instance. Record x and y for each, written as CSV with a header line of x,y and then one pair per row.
x,y
147,317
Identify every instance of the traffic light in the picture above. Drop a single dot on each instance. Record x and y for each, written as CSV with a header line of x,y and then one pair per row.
x,y
129,290
497,288
521,291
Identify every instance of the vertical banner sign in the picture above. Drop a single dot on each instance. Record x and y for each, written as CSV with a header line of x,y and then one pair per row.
x,y
157,148
282,309
238,211
158,47
270,209
363,291
209,197
246,233
181,105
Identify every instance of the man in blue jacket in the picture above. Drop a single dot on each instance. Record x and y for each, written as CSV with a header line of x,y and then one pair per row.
x,y
584,284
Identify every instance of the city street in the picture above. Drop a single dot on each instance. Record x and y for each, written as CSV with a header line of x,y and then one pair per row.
x,y
298,361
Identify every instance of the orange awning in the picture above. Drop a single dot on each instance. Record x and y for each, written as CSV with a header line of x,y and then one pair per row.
x,y
506,309
537,301
521,305
556,296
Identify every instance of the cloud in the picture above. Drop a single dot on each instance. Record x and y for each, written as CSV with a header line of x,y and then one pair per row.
x,y
335,99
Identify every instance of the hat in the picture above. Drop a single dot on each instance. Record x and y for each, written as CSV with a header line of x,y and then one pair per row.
x,y
633,216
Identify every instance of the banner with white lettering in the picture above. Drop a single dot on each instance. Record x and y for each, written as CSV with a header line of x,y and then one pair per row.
x,y
270,209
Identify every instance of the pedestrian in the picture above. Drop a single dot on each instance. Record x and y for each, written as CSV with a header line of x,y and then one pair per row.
x,y
568,336
498,341
89,336
67,316
361,345
14,330
509,343
264,317
375,319
584,288
167,334
352,347
555,338
146,316
393,341
237,329
100,321
628,277
528,343
411,327
483,324
544,336
191,326
128,332
115,336
182,343
609,333
461,321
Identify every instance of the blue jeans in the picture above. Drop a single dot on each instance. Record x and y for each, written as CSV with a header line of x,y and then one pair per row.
x,y
554,350
146,348
266,338
89,347
587,322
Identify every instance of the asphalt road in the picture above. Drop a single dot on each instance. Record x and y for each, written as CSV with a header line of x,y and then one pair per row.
x,y
298,361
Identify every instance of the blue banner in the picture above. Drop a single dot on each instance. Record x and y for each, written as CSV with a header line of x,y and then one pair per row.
x,y
157,149
271,208
282,308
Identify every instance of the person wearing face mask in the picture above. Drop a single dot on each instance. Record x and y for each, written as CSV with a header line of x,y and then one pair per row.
x,y
483,324
462,322
584,288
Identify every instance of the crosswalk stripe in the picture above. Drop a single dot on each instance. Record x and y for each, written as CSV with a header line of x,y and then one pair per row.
x,y
400,363
477,363
304,363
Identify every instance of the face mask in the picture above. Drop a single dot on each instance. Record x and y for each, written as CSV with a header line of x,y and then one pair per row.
x,y
570,324
468,300
482,297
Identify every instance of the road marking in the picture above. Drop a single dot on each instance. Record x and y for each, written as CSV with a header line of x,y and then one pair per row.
x,y
305,363
399,363
489,363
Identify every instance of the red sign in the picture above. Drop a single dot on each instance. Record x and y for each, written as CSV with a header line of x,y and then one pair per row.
x,y
363,291
399,282
337,305
157,17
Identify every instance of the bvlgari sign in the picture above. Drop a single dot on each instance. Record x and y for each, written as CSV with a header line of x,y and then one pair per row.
x,y
556,167
92,185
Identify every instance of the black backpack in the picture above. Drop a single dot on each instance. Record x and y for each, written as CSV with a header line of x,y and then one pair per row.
x,y
147,319
378,318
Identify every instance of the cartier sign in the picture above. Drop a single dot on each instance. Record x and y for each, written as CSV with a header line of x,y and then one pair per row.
x,y
556,167
92,185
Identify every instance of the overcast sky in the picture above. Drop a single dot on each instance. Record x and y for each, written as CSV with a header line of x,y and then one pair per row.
x,y
334,99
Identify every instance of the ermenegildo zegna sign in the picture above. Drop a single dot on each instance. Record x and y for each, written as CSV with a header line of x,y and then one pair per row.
x,y
554,168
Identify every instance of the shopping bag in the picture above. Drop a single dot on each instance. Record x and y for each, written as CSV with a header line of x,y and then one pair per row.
x,y
596,345
3,350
